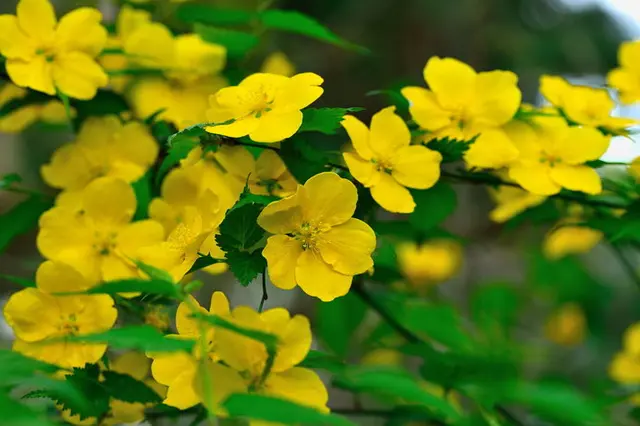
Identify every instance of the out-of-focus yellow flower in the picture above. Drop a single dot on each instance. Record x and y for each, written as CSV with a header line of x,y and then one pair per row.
x,y
265,107
429,263
178,370
552,156
634,168
511,201
625,366
278,63
626,78
317,245
52,112
382,356
50,56
384,161
95,235
271,176
582,104
104,147
567,326
157,316
569,239
461,104
36,315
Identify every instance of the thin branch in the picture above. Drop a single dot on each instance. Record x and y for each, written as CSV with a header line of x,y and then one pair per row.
x,y
626,264
265,296
257,145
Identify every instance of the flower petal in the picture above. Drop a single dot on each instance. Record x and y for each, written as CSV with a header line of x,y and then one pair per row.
x,y
580,145
77,75
577,178
294,336
392,196
497,97
166,368
416,166
318,279
239,128
181,393
14,44
359,135
283,216
214,385
348,247
80,30
37,19
282,254
363,170
32,314
35,73
424,108
219,304
298,92
273,127
300,385
136,235
535,178
492,150
452,81
329,199
388,133
57,277
109,200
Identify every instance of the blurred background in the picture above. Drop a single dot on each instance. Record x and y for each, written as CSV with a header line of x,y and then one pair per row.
x,y
574,38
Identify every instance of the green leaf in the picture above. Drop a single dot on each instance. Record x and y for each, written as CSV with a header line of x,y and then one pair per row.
x,y
248,198
246,266
153,272
433,206
31,98
205,14
494,308
389,382
276,410
16,414
394,97
324,120
15,367
18,280
204,261
125,388
451,150
269,340
338,320
299,23
179,148
142,189
22,218
238,43
141,337
301,159
87,381
133,285
317,360
7,180
239,230
104,103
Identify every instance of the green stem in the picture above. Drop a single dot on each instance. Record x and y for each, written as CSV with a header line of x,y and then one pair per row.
x,y
265,296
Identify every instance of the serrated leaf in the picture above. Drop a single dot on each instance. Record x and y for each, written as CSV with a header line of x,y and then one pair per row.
x,y
22,218
141,337
206,14
276,410
246,266
451,150
18,280
337,321
125,388
87,381
299,23
324,120
15,367
238,43
204,261
433,205
239,230
269,340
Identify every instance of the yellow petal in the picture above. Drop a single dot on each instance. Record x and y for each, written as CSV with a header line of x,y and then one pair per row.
x,y
109,200
197,56
130,19
631,339
215,384
625,368
392,196
185,324
359,135
318,279
278,63
294,337
240,352
269,165
80,30
534,178
15,44
580,145
566,240
298,92
577,178
32,314
299,385
365,171
554,89
388,133
283,216
491,150
329,199
219,304
77,75
166,368
63,354
424,108
37,19
348,247
94,314
497,97
57,277
627,83
142,233
416,167
452,81
181,393
152,45
35,73
274,127
142,153
133,363
239,128
282,254
511,206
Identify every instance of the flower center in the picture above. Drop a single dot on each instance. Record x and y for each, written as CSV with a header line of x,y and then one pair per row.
x,y
105,244
382,165
308,235
258,103
270,185
68,325
550,159
47,52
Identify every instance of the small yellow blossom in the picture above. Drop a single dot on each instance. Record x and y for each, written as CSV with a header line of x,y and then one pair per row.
x,y
552,156
626,78
50,56
383,356
568,239
52,112
625,366
429,263
461,104
104,147
634,168
36,315
317,245
511,202
178,370
567,326
98,240
266,107
385,162
582,104
271,176
278,63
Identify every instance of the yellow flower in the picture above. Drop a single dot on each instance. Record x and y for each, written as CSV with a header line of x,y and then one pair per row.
x,y
104,147
316,243
462,104
552,156
278,63
271,177
19,119
626,78
567,239
511,202
429,263
385,162
625,366
178,370
249,357
49,56
382,356
634,168
36,315
98,240
581,104
266,107
567,326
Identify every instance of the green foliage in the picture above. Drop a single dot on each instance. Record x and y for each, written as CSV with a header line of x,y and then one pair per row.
x,y
211,15
270,341
451,150
494,308
276,410
323,361
238,43
324,120
104,103
246,266
133,285
87,381
433,206
15,414
22,218
143,338
18,280
143,191
302,159
153,272
125,388
15,367
338,320
9,179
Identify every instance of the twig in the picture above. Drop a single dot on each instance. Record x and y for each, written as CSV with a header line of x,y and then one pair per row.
x,y
257,145
265,296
